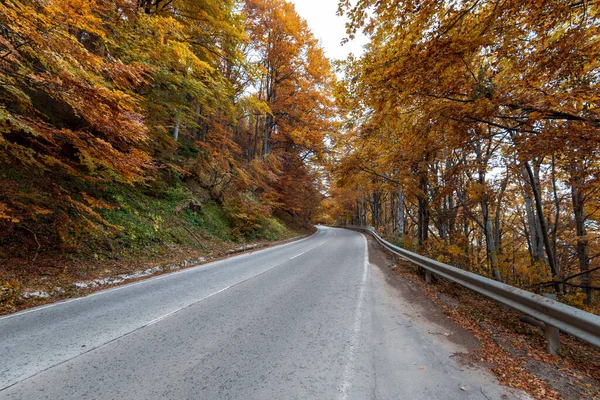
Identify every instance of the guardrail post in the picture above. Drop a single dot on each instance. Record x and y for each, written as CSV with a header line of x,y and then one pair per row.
x,y
427,276
552,333
553,338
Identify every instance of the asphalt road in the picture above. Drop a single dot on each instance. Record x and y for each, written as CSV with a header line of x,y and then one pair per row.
x,y
313,319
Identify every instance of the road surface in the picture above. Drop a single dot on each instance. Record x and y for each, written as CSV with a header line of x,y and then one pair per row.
x,y
312,319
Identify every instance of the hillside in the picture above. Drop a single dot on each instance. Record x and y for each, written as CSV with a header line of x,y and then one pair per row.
x,y
140,128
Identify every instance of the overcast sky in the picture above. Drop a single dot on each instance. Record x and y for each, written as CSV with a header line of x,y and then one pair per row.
x,y
328,27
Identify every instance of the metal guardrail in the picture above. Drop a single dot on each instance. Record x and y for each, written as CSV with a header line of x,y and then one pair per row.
x,y
556,316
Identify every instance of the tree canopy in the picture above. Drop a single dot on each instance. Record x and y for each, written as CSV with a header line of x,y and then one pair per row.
x,y
473,132
227,94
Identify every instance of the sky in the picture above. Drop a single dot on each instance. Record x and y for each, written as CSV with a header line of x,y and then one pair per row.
x,y
328,27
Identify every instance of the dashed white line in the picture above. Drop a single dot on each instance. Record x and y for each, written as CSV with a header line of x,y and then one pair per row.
x,y
186,306
161,318
297,255
312,248
154,321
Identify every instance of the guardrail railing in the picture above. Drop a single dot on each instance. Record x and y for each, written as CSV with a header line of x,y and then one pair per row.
x,y
556,316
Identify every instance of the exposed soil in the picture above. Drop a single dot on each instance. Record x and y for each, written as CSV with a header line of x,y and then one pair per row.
x,y
494,335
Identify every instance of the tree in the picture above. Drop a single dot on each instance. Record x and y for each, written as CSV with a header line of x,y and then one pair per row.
x,y
463,92
294,81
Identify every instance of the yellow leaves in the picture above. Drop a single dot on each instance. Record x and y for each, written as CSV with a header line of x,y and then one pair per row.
x,y
477,191
81,14
103,84
10,292
574,299
536,116
157,220
252,103
87,213
247,211
443,259
41,211
61,66
96,203
190,63
5,214
454,250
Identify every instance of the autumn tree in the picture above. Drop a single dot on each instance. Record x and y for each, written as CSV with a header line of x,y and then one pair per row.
x,y
294,81
151,94
68,109
491,99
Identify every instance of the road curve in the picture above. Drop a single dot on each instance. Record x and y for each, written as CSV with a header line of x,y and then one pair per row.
x,y
312,319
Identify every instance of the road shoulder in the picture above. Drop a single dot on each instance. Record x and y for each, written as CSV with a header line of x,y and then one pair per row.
x,y
493,336
438,357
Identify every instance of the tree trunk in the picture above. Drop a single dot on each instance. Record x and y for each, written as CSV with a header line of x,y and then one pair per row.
x,y
452,219
556,205
488,230
542,220
535,237
271,79
375,214
400,211
267,136
176,130
498,216
424,214
256,135
582,241
490,241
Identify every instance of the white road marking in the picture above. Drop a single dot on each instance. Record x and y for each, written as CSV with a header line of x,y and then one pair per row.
x,y
156,320
350,356
163,276
312,248
297,255
151,278
186,306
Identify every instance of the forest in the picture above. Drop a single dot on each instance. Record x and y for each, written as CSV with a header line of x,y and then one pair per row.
x,y
466,131
472,135
132,122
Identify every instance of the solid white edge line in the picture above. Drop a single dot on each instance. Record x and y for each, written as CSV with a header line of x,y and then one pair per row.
x,y
154,321
350,356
